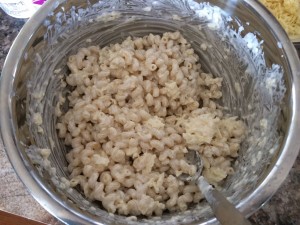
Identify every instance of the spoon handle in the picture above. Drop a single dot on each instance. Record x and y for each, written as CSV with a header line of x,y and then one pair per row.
x,y
225,212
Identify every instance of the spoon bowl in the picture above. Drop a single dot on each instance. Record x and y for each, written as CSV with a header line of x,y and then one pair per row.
x,y
225,211
194,158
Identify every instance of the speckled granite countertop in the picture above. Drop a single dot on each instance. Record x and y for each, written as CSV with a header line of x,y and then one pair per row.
x,y
282,209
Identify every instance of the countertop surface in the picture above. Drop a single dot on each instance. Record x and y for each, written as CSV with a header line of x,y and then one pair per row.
x,y
282,209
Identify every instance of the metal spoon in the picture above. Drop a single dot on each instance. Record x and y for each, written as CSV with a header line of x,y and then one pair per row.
x,y
225,211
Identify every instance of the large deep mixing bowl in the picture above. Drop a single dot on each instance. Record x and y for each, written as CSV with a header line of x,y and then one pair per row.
x,y
237,40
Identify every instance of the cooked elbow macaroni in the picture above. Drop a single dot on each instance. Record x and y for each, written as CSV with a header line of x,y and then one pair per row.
x,y
135,110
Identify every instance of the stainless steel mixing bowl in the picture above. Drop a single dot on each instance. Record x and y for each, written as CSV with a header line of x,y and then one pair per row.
x,y
261,85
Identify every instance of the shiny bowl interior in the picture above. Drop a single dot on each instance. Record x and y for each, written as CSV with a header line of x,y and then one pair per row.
x,y
261,83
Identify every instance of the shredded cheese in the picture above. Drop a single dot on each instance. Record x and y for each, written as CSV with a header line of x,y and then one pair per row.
x,y
288,14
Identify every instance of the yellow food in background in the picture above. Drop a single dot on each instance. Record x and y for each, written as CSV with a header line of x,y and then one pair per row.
x,y
288,14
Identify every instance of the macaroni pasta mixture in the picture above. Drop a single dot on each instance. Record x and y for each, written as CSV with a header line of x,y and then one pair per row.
x,y
135,110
